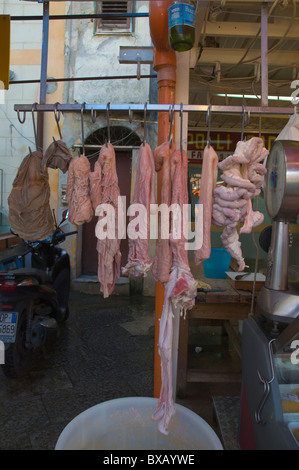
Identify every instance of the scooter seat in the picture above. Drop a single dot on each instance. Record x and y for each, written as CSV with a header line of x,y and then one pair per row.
x,y
38,274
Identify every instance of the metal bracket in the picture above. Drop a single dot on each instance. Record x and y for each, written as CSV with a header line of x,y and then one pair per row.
x,y
135,55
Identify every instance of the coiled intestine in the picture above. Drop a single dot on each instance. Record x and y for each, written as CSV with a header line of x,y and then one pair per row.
x,y
243,175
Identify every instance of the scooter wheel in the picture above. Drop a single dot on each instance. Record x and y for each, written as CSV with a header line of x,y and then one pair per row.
x,y
17,356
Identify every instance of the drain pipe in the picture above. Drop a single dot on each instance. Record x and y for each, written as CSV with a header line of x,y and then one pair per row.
x,y
164,62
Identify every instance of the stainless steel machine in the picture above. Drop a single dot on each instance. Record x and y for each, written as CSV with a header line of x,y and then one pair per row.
x,y
269,416
277,300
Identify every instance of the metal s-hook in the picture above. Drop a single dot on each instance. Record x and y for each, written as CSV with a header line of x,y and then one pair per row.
x,y
21,121
171,116
93,115
108,124
138,68
208,121
181,128
245,121
130,115
57,119
33,120
144,124
266,384
82,129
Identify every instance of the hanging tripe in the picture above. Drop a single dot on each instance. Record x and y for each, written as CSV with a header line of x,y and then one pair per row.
x,y
77,194
243,173
108,247
139,261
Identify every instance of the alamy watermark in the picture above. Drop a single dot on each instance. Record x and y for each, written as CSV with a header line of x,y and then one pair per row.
x,y
294,95
175,222
295,353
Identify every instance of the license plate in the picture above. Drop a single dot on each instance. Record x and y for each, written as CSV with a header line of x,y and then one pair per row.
x,y
8,326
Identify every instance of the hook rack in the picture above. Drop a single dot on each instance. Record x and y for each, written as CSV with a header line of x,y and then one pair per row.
x,y
93,108
76,107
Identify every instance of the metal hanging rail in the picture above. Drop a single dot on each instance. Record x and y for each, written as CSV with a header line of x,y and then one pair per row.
x,y
82,79
94,107
104,16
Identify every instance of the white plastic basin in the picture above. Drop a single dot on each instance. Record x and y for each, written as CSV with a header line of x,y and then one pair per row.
x,y
126,424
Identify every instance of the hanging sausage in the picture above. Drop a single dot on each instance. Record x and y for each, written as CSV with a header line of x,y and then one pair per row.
x,y
139,261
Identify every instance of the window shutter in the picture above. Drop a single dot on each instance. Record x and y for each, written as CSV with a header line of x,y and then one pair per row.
x,y
114,24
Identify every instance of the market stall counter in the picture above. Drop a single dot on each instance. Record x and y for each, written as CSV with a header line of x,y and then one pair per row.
x,y
221,305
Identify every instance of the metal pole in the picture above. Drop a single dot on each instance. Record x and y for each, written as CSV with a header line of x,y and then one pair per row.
x,y
79,17
214,109
78,79
43,73
264,54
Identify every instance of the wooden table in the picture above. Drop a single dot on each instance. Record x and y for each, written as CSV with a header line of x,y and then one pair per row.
x,y
220,307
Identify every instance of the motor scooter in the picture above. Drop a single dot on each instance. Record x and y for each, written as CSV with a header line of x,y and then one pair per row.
x,y
34,296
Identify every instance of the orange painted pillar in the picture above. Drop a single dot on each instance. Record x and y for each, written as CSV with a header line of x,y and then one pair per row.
x,y
165,66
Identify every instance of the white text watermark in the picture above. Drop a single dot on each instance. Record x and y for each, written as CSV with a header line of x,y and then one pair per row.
x,y
294,95
175,222
295,353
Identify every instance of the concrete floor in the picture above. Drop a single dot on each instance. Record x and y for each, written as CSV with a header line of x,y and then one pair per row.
x,y
104,351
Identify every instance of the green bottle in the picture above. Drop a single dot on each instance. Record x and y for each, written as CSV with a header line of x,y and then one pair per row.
x,y
181,26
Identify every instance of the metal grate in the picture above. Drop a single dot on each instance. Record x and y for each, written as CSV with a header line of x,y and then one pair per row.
x,y
114,23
